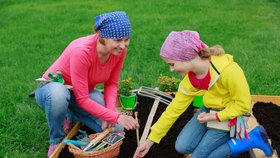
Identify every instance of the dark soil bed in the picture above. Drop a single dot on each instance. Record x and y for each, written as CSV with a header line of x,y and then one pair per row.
x,y
166,148
268,115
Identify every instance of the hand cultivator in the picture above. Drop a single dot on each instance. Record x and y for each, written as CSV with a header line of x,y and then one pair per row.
x,y
154,93
159,96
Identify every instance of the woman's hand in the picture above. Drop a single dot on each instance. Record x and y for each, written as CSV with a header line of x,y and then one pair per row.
x,y
128,122
205,117
106,124
143,149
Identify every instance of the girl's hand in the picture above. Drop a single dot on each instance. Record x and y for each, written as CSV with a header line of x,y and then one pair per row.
x,y
128,122
205,117
143,149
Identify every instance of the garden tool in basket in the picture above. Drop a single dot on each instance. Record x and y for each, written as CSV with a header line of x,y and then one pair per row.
x,y
159,96
82,140
109,140
96,140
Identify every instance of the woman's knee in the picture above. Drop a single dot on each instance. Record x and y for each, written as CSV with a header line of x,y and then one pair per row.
x,y
54,96
60,96
97,96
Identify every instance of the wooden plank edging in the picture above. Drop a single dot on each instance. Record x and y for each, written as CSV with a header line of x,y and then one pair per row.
x,y
72,133
266,98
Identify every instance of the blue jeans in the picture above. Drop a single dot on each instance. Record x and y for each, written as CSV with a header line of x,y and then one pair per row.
x,y
201,142
58,103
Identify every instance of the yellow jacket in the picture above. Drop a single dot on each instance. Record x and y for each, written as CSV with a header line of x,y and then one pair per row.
x,y
228,90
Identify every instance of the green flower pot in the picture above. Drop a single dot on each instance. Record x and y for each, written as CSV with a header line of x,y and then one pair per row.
x,y
198,101
128,102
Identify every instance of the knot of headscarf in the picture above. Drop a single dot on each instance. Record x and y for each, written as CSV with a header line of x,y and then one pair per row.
x,y
113,25
182,46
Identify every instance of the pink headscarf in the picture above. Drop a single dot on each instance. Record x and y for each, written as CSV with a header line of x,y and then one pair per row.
x,y
182,46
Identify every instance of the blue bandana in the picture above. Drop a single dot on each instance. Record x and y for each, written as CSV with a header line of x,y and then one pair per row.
x,y
113,25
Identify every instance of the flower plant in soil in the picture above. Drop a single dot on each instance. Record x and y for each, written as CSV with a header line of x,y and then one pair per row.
x,y
125,87
167,83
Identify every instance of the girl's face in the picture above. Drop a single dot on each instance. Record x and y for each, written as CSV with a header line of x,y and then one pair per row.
x,y
178,66
116,46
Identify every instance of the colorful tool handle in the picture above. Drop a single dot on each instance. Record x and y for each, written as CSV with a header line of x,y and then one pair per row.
x,y
74,142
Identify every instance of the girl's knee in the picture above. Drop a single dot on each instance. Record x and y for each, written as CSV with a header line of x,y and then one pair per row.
x,y
200,154
187,148
183,147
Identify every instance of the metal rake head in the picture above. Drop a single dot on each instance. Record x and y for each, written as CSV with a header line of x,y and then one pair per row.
x,y
154,93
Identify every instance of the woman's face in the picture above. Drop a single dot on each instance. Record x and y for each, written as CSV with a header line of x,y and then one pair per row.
x,y
178,66
116,46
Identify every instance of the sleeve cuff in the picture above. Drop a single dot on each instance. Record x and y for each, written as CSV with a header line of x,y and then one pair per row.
x,y
217,117
153,138
118,115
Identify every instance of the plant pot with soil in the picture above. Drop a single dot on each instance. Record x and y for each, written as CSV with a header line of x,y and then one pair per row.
x,y
127,99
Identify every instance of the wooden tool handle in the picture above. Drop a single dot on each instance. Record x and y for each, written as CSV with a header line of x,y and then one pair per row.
x,y
137,130
149,121
101,136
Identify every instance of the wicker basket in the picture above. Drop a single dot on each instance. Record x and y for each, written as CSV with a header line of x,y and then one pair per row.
x,y
108,152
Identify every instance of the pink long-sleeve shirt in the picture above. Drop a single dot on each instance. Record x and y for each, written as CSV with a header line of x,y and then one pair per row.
x,y
81,68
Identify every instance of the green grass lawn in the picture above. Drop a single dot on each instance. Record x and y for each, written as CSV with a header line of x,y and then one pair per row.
x,y
34,33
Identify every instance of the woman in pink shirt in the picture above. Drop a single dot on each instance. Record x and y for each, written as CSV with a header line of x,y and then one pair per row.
x,y
86,62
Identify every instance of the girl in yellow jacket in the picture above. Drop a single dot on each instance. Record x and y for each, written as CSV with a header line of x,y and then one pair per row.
x,y
212,73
